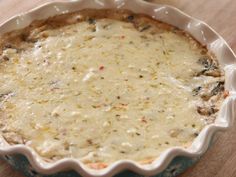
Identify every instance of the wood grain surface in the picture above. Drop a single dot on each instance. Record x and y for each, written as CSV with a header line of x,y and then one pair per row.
x,y
220,160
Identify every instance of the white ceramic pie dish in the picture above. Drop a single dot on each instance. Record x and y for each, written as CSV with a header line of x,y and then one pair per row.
x,y
201,31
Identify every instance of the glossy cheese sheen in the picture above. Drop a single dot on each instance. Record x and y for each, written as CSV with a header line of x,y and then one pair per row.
x,y
102,92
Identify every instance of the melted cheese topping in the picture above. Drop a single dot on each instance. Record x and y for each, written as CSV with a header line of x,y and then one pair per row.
x,y
102,91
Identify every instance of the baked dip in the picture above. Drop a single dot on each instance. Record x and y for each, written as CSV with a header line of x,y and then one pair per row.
x,y
105,85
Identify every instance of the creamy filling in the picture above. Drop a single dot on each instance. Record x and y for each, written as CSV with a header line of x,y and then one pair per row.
x,y
103,91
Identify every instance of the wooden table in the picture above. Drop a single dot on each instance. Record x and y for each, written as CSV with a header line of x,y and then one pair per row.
x,y
220,160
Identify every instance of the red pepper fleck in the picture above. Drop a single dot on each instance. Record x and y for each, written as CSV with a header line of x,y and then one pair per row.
x,y
122,37
226,93
101,68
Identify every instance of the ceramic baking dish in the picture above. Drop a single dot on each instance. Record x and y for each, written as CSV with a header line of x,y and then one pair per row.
x,y
171,162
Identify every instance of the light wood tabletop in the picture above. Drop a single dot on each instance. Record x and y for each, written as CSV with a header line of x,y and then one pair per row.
x,y
220,160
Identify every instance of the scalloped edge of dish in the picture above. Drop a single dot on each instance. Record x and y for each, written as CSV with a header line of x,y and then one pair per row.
x,y
168,14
